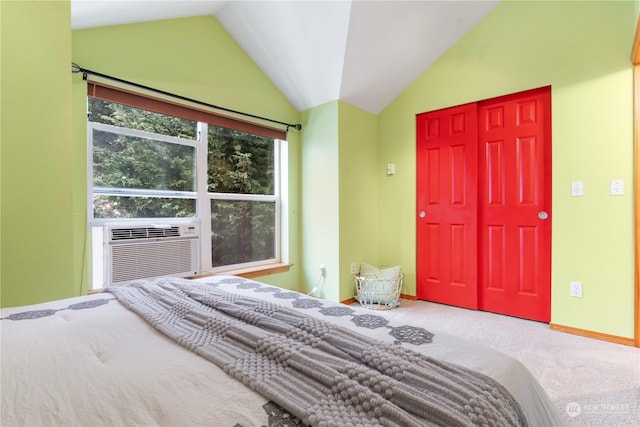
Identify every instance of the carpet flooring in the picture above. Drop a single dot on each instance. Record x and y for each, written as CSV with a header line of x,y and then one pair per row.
x,y
593,383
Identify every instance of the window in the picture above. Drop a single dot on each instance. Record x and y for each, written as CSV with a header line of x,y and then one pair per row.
x,y
243,200
143,163
149,165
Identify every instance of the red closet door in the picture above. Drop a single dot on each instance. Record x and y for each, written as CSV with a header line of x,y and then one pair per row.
x,y
514,205
447,206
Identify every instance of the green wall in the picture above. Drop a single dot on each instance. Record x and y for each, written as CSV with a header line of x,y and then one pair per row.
x,y
320,199
340,195
358,174
582,50
193,57
39,261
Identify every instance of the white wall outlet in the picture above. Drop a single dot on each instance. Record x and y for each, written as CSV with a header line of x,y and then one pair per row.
x,y
617,187
323,270
575,289
577,188
353,268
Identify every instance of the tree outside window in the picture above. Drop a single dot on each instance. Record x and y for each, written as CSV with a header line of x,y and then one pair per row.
x,y
144,166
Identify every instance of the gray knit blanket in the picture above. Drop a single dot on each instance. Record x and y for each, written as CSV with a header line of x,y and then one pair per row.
x,y
322,373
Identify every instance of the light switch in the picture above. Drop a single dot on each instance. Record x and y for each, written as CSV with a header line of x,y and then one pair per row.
x,y
391,168
617,187
577,188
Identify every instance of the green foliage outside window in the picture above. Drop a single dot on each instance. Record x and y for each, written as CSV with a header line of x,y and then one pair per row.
x,y
242,163
122,161
241,231
111,113
237,163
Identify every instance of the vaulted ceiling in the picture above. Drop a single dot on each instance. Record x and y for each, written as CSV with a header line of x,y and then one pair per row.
x,y
364,52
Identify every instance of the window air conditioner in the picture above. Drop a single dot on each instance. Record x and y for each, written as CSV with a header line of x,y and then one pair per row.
x,y
147,251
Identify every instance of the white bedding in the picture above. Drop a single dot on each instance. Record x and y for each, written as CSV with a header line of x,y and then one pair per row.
x,y
97,363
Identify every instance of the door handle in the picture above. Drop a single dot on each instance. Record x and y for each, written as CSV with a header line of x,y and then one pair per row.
x,y
422,214
543,215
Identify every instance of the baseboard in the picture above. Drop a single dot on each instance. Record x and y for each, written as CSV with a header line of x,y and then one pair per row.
x,y
592,334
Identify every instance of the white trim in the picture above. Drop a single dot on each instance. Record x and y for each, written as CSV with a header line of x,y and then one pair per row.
x,y
242,266
139,192
203,206
243,197
90,219
283,209
277,167
143,134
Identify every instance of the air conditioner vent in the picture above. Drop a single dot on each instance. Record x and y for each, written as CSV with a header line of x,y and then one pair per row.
x,y
148,251
136,233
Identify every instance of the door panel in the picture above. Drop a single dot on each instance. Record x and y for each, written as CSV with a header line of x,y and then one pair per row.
x,y
514,186
447,206
496,245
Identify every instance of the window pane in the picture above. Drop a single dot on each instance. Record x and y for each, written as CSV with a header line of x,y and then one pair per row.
x,y
142,207
122,161
240,162
242,231
124,116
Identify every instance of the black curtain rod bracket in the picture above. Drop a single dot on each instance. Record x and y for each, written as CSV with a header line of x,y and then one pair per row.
x,y
75,68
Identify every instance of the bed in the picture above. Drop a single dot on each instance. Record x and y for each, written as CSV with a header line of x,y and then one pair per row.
x,y
225,351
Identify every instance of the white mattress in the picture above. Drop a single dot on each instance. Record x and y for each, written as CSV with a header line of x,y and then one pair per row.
x,y
98,363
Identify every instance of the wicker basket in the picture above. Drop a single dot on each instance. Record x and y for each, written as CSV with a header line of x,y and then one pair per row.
x,y
378,293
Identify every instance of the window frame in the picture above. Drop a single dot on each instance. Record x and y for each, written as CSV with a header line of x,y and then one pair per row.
x,y
116,191
203,198
204,206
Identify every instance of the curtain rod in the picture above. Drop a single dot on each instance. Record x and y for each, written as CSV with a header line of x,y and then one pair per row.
x,y
75,68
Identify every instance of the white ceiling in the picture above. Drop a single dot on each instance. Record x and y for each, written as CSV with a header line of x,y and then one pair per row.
x,y
363,52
